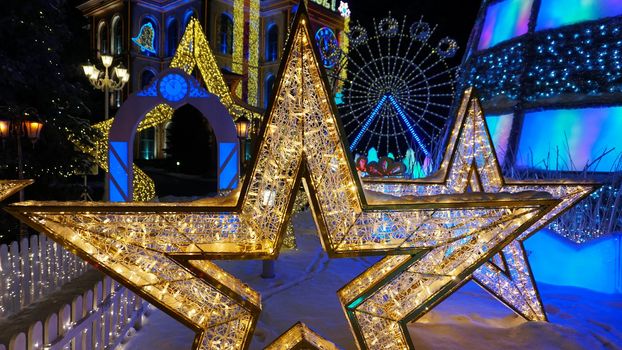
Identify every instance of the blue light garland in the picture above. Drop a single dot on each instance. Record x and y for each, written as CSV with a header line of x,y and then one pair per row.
x,y
409,126
368,122
400,112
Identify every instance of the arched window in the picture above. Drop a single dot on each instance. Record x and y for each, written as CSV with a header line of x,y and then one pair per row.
x,y
102,38
272,42
146,138
172,37
187,16
225,35
268,85
146,145
145,78
117,35
117,99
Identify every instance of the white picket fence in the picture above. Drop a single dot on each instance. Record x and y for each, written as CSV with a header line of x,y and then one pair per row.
x,y
33,268
98,320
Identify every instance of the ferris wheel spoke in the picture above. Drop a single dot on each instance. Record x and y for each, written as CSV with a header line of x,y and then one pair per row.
x,y
416,110
421,71
398,90
361,68
445,71
363,111
428,87
423,44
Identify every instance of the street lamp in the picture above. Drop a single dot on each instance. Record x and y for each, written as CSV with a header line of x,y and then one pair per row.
x,y
20,123
109,82
242,126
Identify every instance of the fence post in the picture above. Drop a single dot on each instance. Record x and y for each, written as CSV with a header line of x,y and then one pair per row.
x,y
35,336
25,270
50,331
18,342
35,269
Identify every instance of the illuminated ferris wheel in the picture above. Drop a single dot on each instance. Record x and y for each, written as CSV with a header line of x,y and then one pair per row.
x,y
399,86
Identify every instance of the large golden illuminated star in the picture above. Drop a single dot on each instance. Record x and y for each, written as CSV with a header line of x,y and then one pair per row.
x,y
10,187
471,164
159,250
397,290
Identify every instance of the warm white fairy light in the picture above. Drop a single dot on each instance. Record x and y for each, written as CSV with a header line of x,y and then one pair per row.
x,y
158,248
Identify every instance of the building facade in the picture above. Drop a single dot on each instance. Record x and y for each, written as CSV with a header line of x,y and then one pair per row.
x,y
246,37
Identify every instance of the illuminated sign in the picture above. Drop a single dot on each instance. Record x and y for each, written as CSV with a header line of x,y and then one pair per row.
x,y
328,4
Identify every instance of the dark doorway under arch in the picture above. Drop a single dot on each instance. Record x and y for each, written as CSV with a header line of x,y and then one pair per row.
x,y
190,167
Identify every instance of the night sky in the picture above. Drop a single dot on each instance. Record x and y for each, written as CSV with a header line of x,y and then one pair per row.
x,y
454,18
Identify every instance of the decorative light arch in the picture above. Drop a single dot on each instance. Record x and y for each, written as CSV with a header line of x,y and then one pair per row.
x,y
173,88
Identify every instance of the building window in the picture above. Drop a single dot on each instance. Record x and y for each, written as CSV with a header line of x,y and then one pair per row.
x,y
115,99
272,42
117,35
147,144
145,78
269,84
225,35
146,138
189,15
172,37
102,38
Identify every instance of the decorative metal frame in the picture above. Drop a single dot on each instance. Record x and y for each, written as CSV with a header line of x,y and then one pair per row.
x,y
301,337
159,250
10,187
508,276
470,164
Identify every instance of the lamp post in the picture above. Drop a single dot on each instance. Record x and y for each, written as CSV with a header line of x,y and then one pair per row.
x,y
242,126
20,123
108,82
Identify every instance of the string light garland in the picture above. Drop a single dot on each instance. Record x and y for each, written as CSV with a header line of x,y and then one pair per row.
x,y
237,59
471,164
253,53
193,52
159,250
572,60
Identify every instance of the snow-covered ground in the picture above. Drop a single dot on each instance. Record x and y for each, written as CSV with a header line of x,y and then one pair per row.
x,y
305,290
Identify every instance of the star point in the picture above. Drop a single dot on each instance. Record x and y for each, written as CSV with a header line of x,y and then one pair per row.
x,y
470,165
10,187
